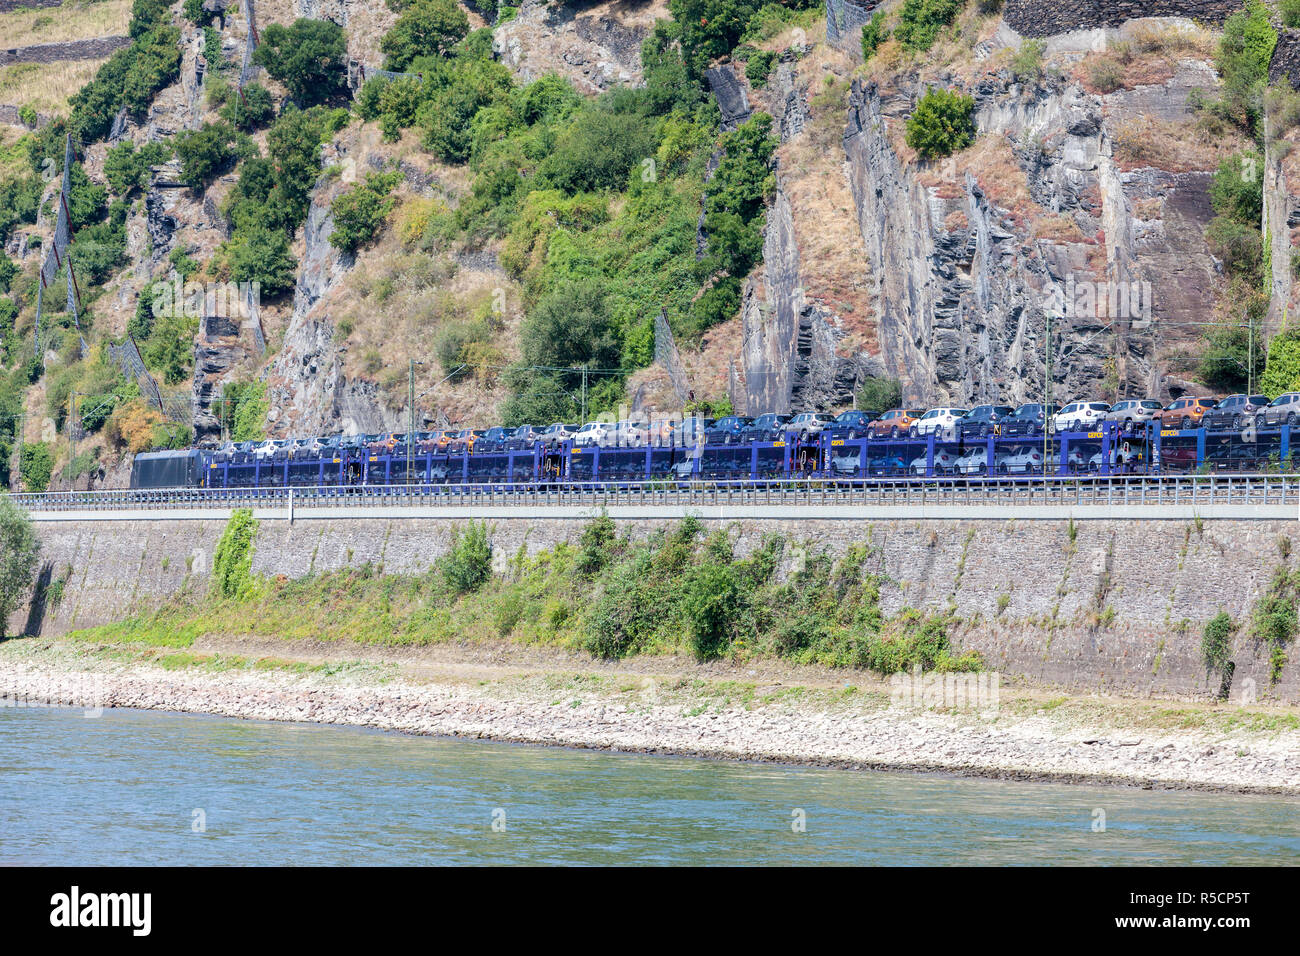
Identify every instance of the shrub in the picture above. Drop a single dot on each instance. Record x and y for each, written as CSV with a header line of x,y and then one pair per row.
x,y
942,124
1027,64
204,153
873,34
309,58
758,66
454,342
468,565
232,563
1216,643
360,212
1245,52
597,151
243,410
1290,12
594,548
880,395
711,602
920,21
127,168
1237,190
1282,369
1105,75
35,466
130,78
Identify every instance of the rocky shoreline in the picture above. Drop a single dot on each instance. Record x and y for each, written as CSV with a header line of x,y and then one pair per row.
x,y
846,728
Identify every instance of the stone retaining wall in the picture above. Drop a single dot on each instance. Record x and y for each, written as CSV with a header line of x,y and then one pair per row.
x,y
95,48
1101,605
845,20
8,6
1045,18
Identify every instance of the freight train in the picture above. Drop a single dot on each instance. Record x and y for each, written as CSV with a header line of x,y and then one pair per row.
x,y
1111,450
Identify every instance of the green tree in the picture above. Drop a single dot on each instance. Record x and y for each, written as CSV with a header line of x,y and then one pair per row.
x,y
942,124
571,326
249,108
309,58
127,168
20,551
170,348
425,28
597,150
1245,52
711,602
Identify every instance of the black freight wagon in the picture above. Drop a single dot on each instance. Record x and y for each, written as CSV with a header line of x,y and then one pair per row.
x,y
167,469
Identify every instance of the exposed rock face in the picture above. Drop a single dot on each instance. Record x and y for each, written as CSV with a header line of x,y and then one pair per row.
x,y
220,348
726,87
966,278
308,392
596,45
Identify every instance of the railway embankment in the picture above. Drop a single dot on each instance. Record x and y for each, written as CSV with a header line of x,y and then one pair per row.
x,y
1101,606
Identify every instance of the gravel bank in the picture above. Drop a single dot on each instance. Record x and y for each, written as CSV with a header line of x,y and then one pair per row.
x,y
846,728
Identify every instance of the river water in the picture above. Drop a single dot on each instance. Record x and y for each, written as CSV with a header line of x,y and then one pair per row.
x,y
139,787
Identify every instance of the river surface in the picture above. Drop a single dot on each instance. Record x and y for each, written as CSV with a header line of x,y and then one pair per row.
x,y
141,787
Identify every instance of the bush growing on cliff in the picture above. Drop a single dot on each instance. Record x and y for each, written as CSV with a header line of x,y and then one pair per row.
x,y
20,552
874,33
36,465
204,153
1290,13
232,563
1243,58
127,168
129,78
880,395
360,212
921,21
1282,370
942,124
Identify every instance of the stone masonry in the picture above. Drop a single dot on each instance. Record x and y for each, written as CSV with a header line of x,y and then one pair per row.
x,y
1100,605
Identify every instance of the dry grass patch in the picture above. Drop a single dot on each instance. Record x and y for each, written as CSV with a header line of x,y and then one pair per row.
x,y
1150,56
1188,146
45,87
75,20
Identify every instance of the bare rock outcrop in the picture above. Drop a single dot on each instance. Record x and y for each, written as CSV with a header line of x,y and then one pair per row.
x,y
595,45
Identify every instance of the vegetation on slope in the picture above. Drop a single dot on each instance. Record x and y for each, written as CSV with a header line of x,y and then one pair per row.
x,y
678,591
